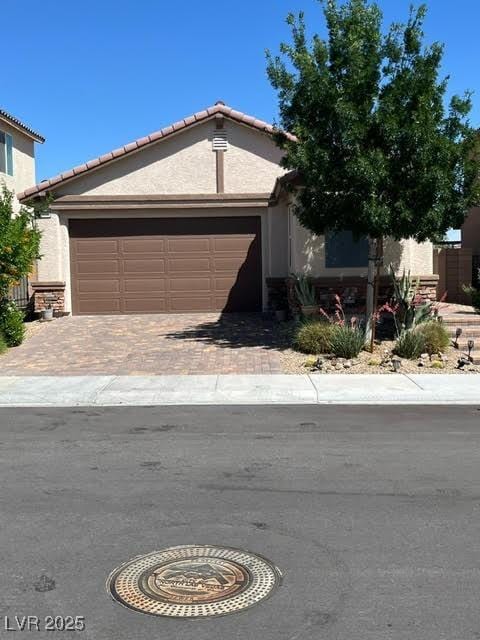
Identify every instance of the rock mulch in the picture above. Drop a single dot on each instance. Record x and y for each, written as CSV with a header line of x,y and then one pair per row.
x,y
380,361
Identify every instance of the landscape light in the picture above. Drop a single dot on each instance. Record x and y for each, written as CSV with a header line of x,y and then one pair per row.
x,y
470,345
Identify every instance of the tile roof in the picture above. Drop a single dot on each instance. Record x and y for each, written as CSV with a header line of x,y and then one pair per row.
x,y
219,108
15,122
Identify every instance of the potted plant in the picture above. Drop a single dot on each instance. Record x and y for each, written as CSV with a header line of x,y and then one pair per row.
x,y
305,292
47,313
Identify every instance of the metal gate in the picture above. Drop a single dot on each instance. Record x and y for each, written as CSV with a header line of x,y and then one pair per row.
x,y
20,294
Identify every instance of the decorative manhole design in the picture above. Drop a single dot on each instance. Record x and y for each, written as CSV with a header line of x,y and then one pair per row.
x,y
194,581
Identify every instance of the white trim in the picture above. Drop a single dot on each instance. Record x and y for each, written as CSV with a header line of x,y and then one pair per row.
x,y
8,139
292,240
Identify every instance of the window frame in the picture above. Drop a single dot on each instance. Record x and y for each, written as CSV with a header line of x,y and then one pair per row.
x,y
329,253
7,154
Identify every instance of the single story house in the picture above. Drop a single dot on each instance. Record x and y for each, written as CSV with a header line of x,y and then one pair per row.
x,y
195,217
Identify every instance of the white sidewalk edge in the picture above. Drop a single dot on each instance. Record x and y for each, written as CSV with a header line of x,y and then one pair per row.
x,y
341,389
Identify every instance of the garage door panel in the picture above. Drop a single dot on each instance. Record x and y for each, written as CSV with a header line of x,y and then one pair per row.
x,y
191,284
143,245
97,246
237,244
144,266
144,285
224,284
144,305
188,245
233,263
98,286
99,267
166,265
198,304
103,305
189,265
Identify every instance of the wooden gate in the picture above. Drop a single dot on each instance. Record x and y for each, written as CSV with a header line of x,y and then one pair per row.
x,y
454,268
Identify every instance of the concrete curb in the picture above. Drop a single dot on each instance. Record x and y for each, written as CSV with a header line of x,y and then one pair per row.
x,y
68,391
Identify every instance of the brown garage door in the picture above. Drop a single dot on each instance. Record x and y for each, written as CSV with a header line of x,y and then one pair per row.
x,y
166,265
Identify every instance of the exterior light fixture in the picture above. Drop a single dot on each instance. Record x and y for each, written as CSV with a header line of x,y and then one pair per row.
x,y
470,345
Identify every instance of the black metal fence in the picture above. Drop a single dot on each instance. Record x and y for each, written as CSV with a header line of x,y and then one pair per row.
x,y
20,295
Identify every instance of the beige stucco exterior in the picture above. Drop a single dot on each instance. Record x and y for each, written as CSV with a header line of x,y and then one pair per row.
x,y
23,161
185,164
307,255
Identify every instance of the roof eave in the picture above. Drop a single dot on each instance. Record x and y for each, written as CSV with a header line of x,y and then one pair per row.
x,y
17,124
133,147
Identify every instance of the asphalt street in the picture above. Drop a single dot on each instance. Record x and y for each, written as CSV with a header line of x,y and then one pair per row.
x,y
372,514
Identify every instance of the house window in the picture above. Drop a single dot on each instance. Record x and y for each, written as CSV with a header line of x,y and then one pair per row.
x,y
343,251
6,153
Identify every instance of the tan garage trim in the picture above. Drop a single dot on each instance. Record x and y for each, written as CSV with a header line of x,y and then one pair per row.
x,y
161,201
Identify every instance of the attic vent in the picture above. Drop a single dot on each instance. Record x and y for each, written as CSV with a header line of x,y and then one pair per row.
x,y
219,142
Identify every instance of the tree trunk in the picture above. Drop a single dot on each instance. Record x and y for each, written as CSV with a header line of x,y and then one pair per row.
x,y
378,266
375,259
372,259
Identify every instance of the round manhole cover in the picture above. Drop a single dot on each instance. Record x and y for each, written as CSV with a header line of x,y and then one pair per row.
x,y
194,581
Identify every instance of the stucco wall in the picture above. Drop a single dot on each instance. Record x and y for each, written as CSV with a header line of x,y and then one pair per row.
x,y
278,241
23,161
308,255
252,162
186,164
49,267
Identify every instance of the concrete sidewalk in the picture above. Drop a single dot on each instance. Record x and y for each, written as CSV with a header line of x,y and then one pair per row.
x,y
66,391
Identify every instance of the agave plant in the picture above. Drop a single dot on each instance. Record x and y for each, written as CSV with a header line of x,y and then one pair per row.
x,y
305,291
410,312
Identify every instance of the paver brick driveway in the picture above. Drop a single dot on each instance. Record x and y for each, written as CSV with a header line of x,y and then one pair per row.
x,y
148,345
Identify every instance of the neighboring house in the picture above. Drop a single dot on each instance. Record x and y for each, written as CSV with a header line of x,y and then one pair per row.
x,y
17,153
471,231
196,217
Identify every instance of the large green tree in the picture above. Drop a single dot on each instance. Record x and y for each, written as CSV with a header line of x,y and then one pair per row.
x,y
378,150
19,242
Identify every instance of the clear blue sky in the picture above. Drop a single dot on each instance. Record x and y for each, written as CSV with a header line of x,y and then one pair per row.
x,y
94,75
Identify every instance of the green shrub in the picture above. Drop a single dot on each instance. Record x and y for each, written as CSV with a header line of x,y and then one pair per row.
x,y
474,294
410,345
347,342
435,335
3,344
314,337
11,323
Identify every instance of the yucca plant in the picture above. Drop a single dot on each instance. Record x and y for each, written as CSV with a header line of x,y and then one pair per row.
x,y
409,312
305,291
